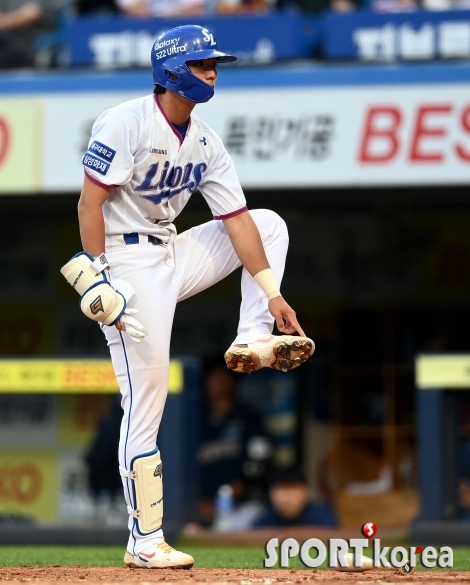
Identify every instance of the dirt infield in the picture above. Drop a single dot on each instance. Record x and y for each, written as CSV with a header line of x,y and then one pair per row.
x,y
107,576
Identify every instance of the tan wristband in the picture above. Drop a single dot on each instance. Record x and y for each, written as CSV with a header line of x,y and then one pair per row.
x,y
267,283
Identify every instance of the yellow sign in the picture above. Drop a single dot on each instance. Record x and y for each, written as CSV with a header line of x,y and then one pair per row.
x,y
73,376
443,371
20,144
28,483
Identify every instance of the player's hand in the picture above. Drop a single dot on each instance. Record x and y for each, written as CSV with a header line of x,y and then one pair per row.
x,y
131,326
286,319
128,323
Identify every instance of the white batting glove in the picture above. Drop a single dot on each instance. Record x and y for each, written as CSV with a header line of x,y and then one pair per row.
x,y
131,326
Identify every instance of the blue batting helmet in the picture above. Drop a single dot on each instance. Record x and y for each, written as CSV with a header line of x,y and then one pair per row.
x,y
173,49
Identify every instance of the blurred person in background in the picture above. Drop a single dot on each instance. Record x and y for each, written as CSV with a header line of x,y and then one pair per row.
x,y
243,6
342,5
463,461
104,479
394,6
290,503
161,8
235,449
21,23
318,6
96,7
446,4
172,8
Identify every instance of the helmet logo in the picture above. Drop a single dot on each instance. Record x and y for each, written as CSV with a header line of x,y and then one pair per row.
x,y
172,47
164,44
208,36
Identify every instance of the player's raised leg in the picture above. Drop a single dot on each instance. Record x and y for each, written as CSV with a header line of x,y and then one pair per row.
x,y
255,347
205,255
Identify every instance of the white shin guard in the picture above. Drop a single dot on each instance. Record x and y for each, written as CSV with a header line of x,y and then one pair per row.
x,y
146,475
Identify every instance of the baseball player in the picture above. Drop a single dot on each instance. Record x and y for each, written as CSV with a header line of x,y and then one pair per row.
x,y
145,159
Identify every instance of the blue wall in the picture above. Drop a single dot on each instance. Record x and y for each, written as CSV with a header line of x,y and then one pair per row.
x,y
362,35
233,77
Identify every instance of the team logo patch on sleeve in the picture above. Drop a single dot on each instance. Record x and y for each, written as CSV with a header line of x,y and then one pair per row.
x,y
95,164
102,151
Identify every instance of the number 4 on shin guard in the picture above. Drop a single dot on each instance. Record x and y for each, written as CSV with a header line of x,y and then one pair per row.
x,y
146,476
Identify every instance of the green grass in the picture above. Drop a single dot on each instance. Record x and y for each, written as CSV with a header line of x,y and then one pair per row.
x,y
461,558
96,556
111,556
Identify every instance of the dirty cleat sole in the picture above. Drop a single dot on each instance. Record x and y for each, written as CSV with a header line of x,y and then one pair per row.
x,y
283,353
239,359
291,355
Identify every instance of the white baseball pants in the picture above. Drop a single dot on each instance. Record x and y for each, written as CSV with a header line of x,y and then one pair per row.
x,y
161,277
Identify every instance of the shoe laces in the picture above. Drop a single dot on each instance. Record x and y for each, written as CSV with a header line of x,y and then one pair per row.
x,y
166,548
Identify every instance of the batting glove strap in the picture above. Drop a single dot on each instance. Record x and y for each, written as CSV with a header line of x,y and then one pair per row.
x,y
99,264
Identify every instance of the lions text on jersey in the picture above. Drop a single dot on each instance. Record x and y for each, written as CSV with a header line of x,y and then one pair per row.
x,y
136,151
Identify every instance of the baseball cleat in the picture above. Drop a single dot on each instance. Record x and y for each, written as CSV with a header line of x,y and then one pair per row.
x,y
159,556
280,352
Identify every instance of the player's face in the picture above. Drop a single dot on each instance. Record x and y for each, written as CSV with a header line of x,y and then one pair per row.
x,y
289,499
204,69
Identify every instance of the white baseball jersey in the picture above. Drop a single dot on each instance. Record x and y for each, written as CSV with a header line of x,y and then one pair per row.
x,y
136,152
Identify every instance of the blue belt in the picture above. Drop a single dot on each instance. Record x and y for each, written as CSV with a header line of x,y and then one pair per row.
x,y
134,239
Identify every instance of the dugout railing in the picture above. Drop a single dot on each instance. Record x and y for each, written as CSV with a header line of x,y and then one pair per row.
x,y
440,380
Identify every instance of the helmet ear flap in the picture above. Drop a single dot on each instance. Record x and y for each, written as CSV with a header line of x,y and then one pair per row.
x,y
171,75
